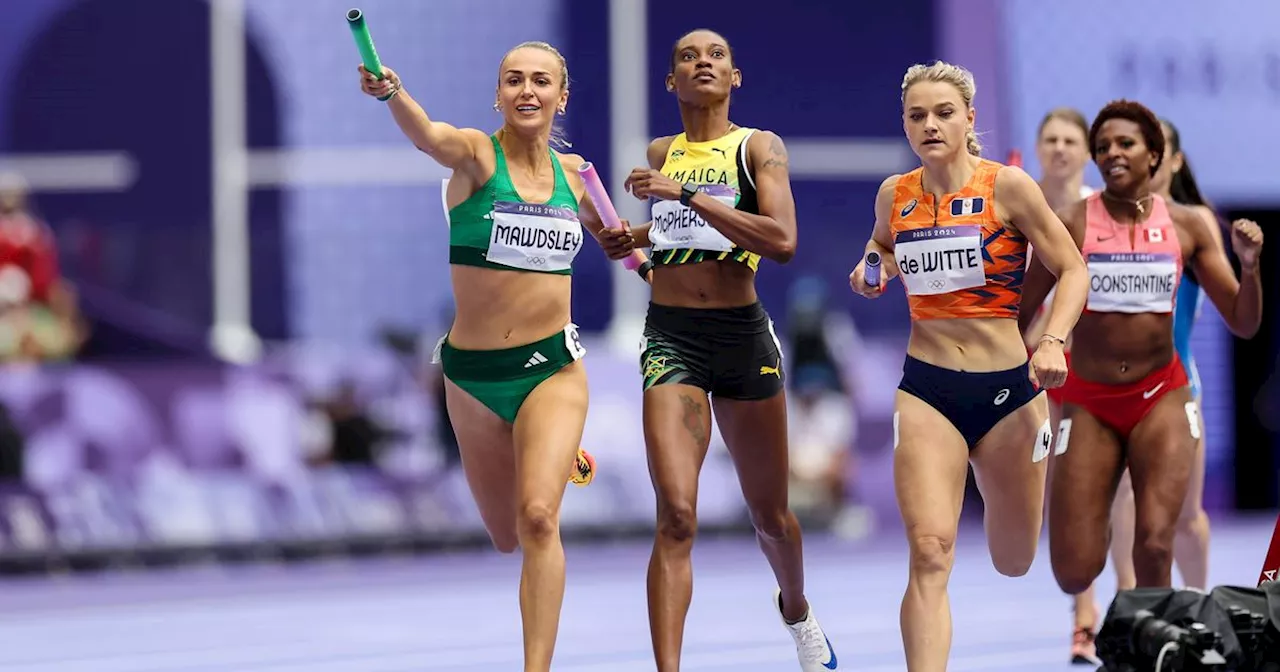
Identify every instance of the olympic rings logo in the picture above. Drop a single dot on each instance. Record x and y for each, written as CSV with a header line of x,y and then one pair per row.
x,y
937,284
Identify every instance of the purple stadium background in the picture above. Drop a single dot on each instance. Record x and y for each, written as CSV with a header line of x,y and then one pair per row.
x,y
151,443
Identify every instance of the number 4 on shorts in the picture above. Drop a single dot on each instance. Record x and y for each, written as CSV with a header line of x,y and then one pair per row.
x,y
1044,441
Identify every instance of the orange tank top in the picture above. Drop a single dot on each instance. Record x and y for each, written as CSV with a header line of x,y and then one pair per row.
x,y
957,259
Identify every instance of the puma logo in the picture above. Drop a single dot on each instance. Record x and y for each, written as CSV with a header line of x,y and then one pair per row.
x,y
770,370
722,152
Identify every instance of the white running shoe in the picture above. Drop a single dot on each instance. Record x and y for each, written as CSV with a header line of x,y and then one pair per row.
x,y
812,645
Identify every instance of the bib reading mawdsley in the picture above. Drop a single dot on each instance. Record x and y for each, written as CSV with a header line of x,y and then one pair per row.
x,y
939,260
1132,282
677,226
534,237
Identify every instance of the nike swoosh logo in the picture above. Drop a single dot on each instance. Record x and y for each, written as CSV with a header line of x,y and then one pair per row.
x,y
1151,392
831,665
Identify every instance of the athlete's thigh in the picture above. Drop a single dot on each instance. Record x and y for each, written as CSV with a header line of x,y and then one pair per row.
x,y
930,464
1122,503
675,371
1083,486
1161,455
748,394
756,435
1009,466
1125,487
1055,415
1194,502
1055,422
548,431
488,459
677,432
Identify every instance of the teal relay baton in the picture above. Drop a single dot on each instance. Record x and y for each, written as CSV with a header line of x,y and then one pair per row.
x,y
364,42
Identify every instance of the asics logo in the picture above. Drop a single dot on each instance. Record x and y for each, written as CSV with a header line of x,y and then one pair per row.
x,y
1002,396
1152,392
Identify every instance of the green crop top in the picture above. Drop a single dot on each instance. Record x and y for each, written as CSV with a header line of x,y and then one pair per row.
x,y
495,228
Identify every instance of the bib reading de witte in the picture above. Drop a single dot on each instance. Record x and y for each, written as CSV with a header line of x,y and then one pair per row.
x,y
940,260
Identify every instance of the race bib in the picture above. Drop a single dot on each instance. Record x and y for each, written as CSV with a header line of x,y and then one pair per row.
x,y
1064,436
534,237
940,260
435,352
1132,282
573,342
677,227
1044,443
1193,418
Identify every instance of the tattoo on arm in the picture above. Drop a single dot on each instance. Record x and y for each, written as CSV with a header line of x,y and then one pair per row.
x,y
693,420
777,154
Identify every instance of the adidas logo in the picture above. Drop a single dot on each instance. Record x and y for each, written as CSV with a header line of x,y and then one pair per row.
x,y
535,360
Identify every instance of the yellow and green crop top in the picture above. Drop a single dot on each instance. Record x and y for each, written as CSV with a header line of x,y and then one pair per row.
x,y
679,235
495,228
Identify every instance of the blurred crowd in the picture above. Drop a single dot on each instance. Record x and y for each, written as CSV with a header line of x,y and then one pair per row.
x,y
40,320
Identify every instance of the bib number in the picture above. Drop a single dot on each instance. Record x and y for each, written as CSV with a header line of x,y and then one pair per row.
x,y
573,343
1193,419
676,226
1132,282
435,353
534,237
1064,436
1044,443
940,260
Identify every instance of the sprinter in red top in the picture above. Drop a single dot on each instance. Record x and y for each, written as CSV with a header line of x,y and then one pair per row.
x,y
1126,400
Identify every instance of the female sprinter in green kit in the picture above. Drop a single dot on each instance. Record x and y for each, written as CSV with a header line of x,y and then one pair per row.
x,y
516,392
